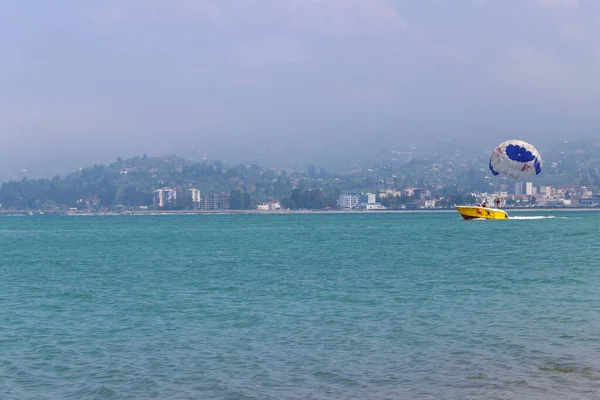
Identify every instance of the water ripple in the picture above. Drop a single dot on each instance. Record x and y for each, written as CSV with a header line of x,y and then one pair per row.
x,y
411,306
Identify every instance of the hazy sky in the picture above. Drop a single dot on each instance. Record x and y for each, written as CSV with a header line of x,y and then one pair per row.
x,y
98,79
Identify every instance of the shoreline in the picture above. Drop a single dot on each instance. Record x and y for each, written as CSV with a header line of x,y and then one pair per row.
x,y
262,212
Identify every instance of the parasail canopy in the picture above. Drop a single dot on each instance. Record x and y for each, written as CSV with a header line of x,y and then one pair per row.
x,y
517,159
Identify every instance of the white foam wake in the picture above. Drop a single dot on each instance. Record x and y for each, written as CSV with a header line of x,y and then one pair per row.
x,y
534,217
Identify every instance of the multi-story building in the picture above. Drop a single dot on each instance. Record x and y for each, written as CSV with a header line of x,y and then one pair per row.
x,y
390,193
529,188
367,198
194,195
216,202
164,197
421,193
519,188
592,201
545,191
349,201
368,202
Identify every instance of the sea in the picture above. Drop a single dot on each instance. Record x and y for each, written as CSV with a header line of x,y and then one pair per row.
x,y
406,305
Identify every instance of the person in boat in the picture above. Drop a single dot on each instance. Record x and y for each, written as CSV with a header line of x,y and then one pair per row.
x,y
498,201
484,204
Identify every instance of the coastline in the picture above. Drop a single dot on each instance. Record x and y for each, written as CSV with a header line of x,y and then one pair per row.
x,y
23,213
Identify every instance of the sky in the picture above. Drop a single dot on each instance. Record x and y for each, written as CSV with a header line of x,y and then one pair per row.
x,y
86,81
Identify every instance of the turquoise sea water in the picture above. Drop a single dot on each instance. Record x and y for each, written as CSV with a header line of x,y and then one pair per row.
x,y
326,306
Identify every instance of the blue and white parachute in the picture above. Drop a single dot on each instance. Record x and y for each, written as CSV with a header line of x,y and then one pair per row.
x,y
517,159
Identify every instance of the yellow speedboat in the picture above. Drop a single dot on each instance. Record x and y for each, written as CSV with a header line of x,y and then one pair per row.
x,y
468,212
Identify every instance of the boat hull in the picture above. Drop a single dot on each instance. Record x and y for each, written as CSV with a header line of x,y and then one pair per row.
x,y
481,212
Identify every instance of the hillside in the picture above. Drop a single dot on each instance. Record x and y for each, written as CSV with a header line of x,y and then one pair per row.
x,y
446,170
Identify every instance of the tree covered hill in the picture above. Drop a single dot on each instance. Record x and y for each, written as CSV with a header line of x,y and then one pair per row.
x,y
131,183
451,170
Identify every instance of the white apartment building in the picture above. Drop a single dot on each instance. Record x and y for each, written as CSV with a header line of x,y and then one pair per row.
x,y
164,196
349,201
529,188
367,198
195,195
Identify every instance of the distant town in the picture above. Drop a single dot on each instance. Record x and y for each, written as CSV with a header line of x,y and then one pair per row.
x,y
525,195
426,179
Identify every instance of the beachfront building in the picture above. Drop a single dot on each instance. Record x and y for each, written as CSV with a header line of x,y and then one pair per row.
x,y
422,193
390,193
592,201
164,197
270,205
194,196
529,188
428,204
372,206
545,191
367,198
368,202
216,202
408,192
558,203
349,201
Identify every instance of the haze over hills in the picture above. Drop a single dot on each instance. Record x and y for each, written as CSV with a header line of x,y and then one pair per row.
x,y
337,158
579,153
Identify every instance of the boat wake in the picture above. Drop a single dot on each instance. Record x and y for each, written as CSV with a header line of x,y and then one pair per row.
x,y
534,217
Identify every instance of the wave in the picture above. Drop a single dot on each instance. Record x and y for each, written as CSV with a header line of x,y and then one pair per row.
x,y
522,217
535,217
